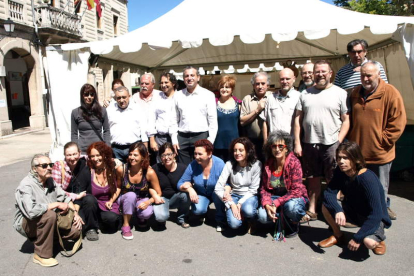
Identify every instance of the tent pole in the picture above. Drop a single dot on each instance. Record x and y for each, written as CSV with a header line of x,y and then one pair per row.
x,y
316,46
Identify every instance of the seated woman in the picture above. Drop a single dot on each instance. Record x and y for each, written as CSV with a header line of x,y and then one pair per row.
x,y
282,190
105,185
74,177
168,173
199,180
363,204
243,172
140,189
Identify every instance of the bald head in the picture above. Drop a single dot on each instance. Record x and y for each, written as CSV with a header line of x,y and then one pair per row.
x,y
286,79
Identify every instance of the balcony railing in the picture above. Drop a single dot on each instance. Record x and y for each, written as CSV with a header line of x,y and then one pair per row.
x,y
51,17
16,11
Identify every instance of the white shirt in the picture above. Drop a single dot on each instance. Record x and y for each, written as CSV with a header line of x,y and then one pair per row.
x,y
127,125
280,110
196,112
161,117
146,106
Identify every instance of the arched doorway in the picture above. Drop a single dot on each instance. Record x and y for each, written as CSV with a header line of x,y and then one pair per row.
x,y
17,89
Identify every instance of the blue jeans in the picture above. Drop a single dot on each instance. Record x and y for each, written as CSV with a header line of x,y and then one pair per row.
x,y
248,211
179,200
121,154
383,173
294,209
200,208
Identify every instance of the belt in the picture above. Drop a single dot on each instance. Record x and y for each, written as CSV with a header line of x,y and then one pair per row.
x,y
190,134
117,146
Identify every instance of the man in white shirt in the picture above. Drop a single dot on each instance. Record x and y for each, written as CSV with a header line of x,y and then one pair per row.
x,y
127,124
145,100
280,106
322,114
196,116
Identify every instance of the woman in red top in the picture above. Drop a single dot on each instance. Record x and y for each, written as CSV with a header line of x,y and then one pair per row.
x,y
282,190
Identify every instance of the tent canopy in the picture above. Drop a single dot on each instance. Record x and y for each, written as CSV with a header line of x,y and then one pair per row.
x,y
238,32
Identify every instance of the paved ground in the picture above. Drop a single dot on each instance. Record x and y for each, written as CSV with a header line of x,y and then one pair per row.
x,y
198,250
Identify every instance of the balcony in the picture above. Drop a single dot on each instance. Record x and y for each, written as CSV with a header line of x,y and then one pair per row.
x,y
16,11
49,17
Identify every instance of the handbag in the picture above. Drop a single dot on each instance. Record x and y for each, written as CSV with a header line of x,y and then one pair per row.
x,y
64,222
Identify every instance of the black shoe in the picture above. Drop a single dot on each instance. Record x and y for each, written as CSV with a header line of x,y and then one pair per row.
x,y
92,235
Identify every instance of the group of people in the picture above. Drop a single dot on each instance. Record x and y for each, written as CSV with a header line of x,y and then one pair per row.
x,y
248,157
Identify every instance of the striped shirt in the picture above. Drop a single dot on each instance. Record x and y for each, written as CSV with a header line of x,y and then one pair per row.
x,y
348,78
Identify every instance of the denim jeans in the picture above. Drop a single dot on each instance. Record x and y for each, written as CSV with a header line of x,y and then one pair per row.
x,y
179,200
294,209
121,154
383,173
248,211
200,208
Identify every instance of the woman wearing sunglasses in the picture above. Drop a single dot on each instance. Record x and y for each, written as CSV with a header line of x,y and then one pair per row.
x,y
169,173
282,191
105,185
242,173
89,122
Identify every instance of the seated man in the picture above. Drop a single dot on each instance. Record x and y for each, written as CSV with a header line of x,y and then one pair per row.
x,y
363,203
37,198
74,177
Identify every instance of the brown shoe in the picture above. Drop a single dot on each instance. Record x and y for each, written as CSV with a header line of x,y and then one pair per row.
x,y
380,249
331,241
350,225
391,214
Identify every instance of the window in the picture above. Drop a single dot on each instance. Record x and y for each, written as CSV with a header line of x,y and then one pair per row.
x,y
98,21
115,25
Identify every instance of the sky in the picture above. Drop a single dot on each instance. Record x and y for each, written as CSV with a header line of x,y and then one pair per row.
x,y
142,12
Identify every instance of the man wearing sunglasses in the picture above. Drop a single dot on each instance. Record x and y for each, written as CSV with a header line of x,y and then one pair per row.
x,y
37,200
349,76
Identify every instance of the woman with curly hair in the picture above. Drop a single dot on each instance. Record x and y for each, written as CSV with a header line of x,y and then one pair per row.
x,y
89,122
105,186
140,189
242,173
282,190
199,180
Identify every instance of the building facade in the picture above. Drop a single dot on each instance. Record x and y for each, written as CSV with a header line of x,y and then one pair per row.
x,y
38,23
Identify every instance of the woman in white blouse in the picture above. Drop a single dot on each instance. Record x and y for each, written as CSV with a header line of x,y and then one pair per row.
x,y
238,184
161,125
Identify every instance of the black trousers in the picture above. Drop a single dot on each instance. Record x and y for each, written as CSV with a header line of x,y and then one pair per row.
x,y
110,222
186,142
88,212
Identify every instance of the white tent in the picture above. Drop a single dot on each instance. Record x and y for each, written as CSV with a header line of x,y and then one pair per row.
x,y
243,32
239,32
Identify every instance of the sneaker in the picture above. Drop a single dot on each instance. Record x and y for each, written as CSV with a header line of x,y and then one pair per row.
x,y
126,233
142,224
295,233
219,228
391,214
44,262
92,235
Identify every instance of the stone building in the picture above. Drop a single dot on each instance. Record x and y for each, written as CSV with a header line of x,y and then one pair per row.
x,y
38,23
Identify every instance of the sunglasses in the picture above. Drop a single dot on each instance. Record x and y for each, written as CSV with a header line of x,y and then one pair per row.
x,y
45,165
90,94
280,146
165,155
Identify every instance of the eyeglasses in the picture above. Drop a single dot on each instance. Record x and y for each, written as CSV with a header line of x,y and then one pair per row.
x,y
165,155
45,165
90,94
279,146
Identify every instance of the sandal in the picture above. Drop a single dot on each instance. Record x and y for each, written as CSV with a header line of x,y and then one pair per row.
x,y
312,216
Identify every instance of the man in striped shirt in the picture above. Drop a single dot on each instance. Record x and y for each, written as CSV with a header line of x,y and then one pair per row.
x,y
349,76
